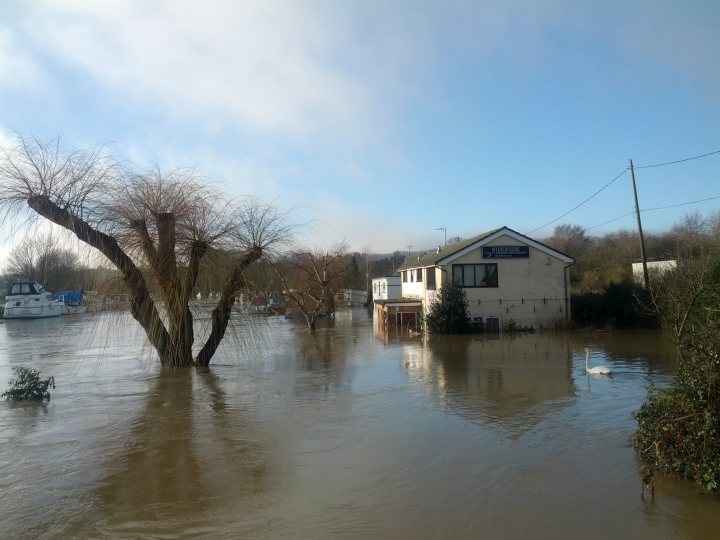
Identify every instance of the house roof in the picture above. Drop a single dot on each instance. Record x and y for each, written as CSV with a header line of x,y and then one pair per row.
x,y
448,252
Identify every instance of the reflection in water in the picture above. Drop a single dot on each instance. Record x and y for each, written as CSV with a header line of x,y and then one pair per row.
x,y
188,461
511,382
336,435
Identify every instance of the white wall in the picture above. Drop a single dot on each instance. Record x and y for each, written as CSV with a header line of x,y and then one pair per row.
x,y
386,288
530,292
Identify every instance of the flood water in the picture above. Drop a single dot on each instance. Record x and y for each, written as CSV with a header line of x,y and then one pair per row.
x,y
337,435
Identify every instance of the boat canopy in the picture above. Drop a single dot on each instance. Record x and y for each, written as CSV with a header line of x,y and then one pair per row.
x,y
25,287
70,298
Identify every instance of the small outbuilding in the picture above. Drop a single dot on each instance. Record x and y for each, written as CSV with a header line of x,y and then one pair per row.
x,y
386,288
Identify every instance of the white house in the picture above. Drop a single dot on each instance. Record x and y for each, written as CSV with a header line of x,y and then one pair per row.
x,y
509,279
386,288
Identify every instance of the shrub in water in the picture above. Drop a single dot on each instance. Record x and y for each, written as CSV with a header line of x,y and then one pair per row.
x,y
27,385
679,427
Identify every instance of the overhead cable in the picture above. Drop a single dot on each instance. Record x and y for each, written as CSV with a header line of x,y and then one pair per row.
x,y
650,210
609,221
677,161
579,205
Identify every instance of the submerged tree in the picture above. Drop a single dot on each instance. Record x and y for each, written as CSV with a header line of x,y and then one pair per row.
x,y
27,384
309,280
154,228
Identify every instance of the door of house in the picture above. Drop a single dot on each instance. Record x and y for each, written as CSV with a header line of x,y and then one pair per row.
x,y
492,325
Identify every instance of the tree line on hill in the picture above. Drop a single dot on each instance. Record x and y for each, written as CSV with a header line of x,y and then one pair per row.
x,y
604,291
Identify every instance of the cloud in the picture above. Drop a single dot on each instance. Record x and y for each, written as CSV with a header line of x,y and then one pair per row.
x,y
17,66
293,69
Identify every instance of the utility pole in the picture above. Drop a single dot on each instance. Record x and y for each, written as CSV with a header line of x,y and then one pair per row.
x,y
443,229
642,239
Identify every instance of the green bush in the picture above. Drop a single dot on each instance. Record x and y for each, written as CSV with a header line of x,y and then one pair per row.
x,y
27,385
679,427
449,314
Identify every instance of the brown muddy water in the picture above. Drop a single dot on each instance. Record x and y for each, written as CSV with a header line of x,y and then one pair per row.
x,y
337,435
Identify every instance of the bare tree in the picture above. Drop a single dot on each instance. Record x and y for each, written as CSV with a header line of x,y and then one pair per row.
x,y
569,239
40,257
309,278
691,292
155,228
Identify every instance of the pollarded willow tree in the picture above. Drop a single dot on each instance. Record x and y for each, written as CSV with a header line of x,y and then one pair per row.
x,y
154,228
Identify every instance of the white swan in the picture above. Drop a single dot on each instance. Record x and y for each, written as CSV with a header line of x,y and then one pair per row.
x,y
597,370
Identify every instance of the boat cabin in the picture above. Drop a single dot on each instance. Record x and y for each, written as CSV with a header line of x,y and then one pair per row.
x,y
25,288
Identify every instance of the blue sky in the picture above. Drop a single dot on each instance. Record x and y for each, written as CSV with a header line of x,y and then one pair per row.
x,y
379,122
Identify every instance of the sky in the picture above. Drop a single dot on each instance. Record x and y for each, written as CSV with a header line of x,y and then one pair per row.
x,y
387,124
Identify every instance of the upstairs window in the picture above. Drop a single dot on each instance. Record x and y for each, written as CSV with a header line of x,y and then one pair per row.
x,y
430,279
475,275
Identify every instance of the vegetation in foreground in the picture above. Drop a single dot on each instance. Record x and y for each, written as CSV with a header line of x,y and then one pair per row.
x,y
678,428
27,385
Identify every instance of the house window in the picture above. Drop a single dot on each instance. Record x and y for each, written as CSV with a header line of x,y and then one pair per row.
x,y
405,277
430,279
419,275
476,275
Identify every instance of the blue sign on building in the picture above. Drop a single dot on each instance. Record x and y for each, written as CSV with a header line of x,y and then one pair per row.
x,y
505,252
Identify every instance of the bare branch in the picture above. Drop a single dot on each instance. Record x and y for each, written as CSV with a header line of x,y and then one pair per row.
x,y
155,227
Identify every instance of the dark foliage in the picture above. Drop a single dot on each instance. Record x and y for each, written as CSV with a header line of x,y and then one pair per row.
x,y
27,385
619,306
679,427
449,314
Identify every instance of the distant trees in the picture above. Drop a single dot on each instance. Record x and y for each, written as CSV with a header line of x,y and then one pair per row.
x,y
156,228
603,288
601,261
569,239
42,258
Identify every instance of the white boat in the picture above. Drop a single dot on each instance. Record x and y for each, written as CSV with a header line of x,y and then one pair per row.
x,y
29,300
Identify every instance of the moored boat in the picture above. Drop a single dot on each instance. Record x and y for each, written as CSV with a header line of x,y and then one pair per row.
x,y
73,302
29,300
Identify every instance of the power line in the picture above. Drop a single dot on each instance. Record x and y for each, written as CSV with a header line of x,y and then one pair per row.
x,y
618,176
650,210
682,204
579,205
609,221
677,161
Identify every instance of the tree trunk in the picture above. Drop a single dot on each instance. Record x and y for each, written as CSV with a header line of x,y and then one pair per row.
x,y
142,306
221,314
